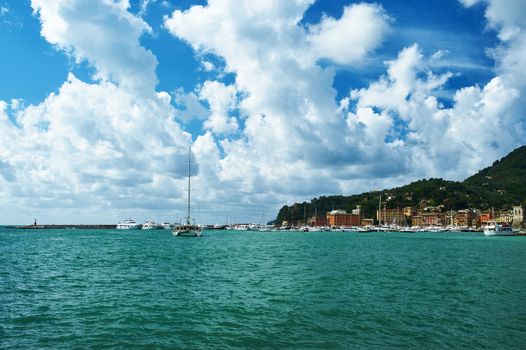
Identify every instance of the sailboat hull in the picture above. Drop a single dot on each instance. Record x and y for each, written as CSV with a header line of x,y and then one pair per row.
x,y
187,231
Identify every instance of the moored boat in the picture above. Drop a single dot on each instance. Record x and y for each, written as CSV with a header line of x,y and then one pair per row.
x,y
128,224
188,229
496,229
167,226
151,225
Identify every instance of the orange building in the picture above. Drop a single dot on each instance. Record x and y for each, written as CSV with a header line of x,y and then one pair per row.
x,y
342,218
484,218
318,221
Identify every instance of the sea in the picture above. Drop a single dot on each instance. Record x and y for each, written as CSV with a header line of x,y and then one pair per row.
x,y
117,289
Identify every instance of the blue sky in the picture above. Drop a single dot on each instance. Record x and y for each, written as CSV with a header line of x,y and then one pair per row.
x,y
281,101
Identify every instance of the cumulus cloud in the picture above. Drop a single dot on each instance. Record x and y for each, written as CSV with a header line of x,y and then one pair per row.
x,y
292,121
189,106
221,99
105,34
348,39
104,148
394,130
447,142
94,143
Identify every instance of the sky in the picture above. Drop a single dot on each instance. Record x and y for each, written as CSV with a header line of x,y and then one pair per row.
x,y
280,102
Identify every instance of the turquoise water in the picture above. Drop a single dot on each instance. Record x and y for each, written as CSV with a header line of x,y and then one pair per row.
x,y
68,289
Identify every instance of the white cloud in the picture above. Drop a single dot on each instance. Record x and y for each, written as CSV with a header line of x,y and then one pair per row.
x,y
105,34
295,132
94,151
360,30
94,143
190,106
293,126
469,3
222,99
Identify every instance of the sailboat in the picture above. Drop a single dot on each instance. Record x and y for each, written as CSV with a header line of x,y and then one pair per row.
x,y
188,229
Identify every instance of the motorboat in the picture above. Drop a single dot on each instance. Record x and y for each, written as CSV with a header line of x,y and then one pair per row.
x,y
151,225
167,226
128,224
496,229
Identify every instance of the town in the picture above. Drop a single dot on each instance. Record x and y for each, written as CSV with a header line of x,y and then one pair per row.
x,y
421,218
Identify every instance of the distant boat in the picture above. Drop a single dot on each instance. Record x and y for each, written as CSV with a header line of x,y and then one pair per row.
x,y
189,229
151,225
495,229
167,226
128,224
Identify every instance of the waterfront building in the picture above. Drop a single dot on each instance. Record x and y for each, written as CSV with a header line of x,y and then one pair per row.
x,y
465,218
433,219
391,216
417,220
358,210
484,218
318,221
450,218
342,218
409,211
518,216
504,217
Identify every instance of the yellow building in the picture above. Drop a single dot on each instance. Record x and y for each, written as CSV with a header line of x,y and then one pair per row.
x,y
391,216
417,220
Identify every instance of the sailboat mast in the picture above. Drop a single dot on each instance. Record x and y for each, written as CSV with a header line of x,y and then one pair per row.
x,y
189,161
379,211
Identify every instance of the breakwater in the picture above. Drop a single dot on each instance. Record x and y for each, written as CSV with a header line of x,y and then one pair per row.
x,y
62,226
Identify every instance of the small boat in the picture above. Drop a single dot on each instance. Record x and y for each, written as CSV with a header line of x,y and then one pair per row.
x,y
188,229
128,224
151,225
167,226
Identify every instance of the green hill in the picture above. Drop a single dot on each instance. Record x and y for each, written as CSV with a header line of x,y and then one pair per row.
x,y
499,186
504,181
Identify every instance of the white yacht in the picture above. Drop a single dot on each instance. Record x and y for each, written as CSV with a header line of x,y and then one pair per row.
x,y
167,226
188,229
128,224
151,225
495,229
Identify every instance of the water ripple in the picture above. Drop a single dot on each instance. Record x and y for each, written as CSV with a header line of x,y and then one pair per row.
x,y
111,289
